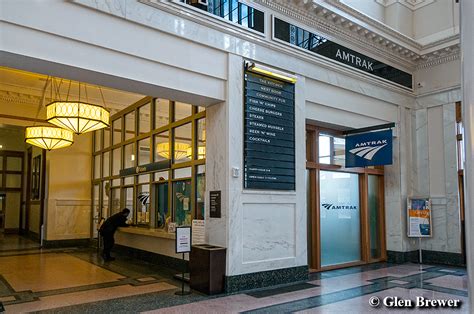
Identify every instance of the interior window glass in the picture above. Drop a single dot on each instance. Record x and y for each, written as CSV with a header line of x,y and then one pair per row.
x,y
143,204
162,112
182,110
162,146
117,131
182,143
129,155
144,151
144,118
182,203
130,125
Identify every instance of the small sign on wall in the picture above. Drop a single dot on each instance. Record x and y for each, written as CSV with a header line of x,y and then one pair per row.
x,y
419,217
215,204
183,239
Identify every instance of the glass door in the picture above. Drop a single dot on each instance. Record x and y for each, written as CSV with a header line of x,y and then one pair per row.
x,y
339,218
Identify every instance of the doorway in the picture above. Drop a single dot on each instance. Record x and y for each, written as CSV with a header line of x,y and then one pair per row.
x,y
346,220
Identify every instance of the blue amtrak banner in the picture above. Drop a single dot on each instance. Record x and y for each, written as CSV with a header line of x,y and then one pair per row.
x,y
369,149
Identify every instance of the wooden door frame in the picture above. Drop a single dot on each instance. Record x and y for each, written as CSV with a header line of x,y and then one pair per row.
x,y
314,167
29,158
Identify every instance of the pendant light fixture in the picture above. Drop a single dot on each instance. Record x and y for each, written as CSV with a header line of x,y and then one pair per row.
x,y
76,115
48,137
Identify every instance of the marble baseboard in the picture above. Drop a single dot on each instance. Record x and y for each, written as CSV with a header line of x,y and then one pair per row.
x,y
401,257
265,278
429,257
50,244
154,258
445,258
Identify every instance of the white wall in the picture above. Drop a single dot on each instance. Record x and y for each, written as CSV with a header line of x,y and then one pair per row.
x,y
400,18
149,62
371,8
438,78
435,21
262,230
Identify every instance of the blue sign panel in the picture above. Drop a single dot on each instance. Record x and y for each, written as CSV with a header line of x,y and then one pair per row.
x,y
369,149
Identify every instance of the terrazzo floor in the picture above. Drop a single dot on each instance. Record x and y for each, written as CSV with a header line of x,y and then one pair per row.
x,y
77,281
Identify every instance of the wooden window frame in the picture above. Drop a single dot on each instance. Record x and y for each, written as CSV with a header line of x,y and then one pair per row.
x,y
193,119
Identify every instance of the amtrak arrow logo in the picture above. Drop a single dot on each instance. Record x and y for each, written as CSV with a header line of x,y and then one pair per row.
x,y
327,206
367,152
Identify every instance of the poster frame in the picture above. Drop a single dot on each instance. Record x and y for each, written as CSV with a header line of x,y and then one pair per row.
x,y
177,232
430,209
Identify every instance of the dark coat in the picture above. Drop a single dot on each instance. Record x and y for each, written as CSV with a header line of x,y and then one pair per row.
x,y
112,223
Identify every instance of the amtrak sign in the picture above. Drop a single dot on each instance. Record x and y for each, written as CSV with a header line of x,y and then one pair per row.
x,y
369,149
354,60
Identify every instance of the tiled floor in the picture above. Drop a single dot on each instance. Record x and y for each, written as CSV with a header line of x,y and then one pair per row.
x,y
11,242
77,281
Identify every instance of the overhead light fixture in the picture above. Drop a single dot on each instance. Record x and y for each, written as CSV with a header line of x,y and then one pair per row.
x,y
76,115
48,137
180,150
261,69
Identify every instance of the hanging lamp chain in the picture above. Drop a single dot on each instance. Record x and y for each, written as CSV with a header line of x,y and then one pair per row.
x,y
102,95
43,96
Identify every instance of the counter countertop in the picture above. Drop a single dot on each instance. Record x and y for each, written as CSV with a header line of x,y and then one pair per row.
x,y
158,233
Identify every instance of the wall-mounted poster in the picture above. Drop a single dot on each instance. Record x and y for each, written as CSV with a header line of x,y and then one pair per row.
x,y
419,217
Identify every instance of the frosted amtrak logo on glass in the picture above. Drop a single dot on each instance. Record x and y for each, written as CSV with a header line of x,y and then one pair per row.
x,y
369,149
332,206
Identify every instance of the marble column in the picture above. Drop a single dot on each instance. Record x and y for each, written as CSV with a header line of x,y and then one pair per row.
x,y
467,50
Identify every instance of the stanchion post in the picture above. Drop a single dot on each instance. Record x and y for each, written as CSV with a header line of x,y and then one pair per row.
x,y
419,251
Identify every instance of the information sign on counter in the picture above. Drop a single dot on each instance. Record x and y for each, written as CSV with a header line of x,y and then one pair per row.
x,y
183,239
269,133
419,217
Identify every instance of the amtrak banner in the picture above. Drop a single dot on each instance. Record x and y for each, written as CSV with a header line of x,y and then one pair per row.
x,y
369,149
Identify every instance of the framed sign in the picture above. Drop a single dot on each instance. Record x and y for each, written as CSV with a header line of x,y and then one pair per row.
x,y
215,204
419,217
183,239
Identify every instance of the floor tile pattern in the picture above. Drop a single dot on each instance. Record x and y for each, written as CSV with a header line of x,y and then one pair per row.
x,y
78,281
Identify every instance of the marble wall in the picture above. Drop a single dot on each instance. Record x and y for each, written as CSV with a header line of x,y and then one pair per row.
x,y
68,219
262,230
435,169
